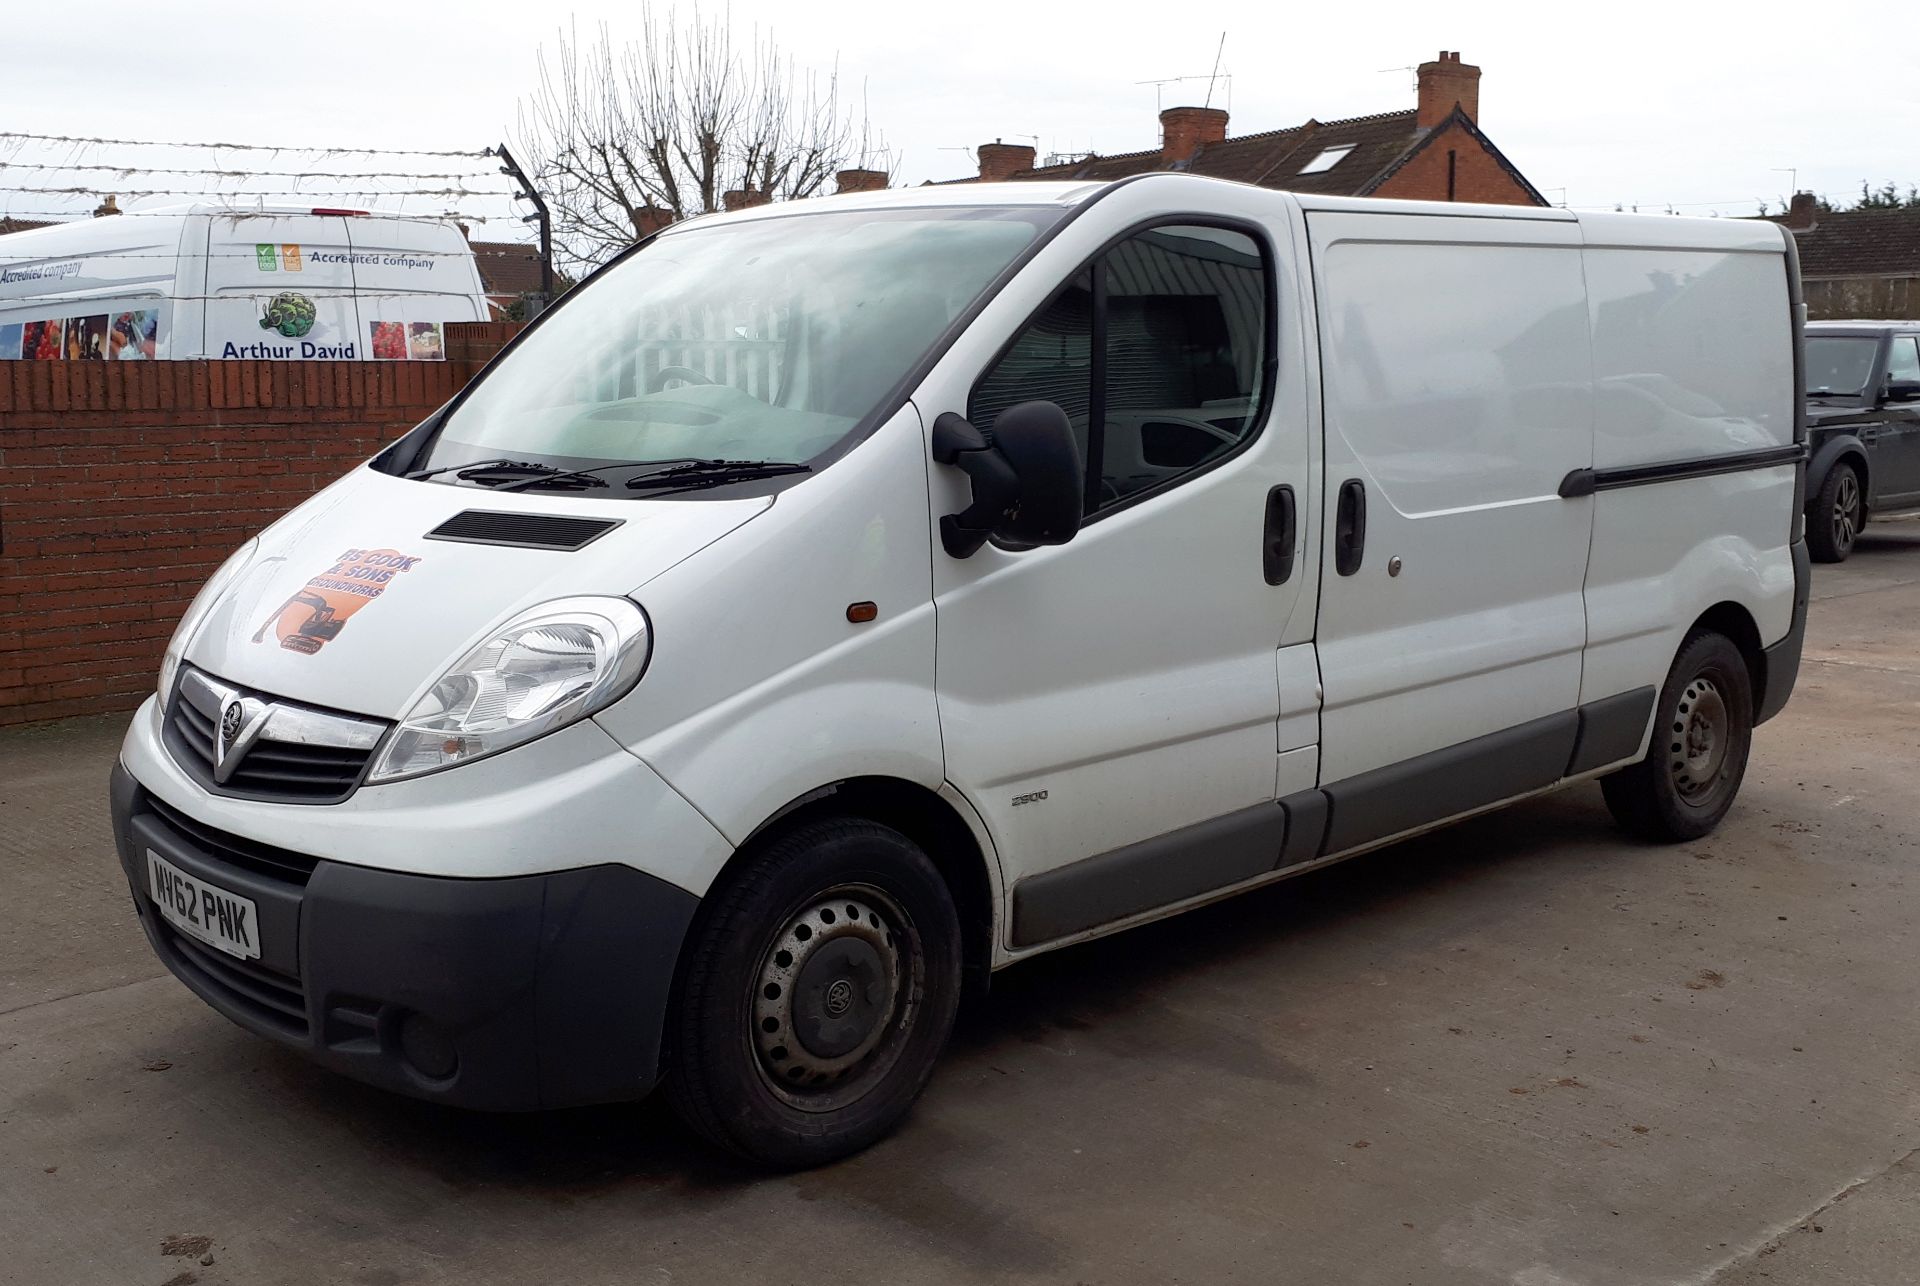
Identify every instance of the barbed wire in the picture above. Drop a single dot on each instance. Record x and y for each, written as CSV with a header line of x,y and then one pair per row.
x,y
137,194
211,172
82,140
57,217
251,256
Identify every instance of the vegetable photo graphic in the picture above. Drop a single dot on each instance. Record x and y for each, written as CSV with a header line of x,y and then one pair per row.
x,y
290,313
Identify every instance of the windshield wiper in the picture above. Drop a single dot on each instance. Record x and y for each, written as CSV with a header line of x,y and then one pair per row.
x,y
499,462
711,473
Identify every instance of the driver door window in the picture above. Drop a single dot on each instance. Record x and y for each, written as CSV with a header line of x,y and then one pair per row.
x,y
1158,353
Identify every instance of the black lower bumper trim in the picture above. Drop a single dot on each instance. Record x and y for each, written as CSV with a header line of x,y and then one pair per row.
x,y
506,994
1782,667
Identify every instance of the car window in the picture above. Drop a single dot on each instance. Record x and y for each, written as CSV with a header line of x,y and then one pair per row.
x,y
1903,363
1157,352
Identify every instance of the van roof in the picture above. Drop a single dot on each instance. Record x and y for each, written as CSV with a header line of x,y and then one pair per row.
x,y
1613,228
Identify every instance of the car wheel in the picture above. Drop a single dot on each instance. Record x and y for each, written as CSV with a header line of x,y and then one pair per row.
x,y
1839,511
1702,732
819,988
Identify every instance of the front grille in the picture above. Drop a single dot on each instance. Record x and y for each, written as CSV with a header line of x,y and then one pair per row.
x,y
267,997
249,855
290,762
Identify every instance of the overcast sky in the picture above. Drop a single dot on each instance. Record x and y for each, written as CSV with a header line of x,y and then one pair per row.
x,y
1696,105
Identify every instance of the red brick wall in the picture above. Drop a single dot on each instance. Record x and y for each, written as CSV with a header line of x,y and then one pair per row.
x,y
123,485
1477,176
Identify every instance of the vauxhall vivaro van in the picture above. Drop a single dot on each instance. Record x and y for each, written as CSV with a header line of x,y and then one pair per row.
x,y
209,281
831,603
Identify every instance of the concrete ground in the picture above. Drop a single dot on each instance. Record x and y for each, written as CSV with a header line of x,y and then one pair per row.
x,y
1522,1050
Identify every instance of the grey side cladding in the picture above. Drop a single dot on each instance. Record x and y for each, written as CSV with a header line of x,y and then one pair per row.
x,y
1610,730
1445,783
1152,873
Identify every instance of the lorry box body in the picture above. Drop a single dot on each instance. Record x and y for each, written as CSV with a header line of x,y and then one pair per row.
x,y
832,603
210,282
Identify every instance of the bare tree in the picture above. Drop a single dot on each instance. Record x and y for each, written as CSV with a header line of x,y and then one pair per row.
x,y
622,139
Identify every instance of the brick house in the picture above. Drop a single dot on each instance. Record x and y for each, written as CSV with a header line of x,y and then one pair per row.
x,y
1856,263
1433,152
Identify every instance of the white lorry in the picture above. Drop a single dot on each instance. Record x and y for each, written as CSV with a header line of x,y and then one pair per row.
x,y
206,281
832,602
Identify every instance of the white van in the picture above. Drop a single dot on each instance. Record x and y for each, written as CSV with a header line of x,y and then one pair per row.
x,y
205,281
831,603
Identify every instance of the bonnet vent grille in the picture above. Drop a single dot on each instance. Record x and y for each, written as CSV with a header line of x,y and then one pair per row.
x,y
525,531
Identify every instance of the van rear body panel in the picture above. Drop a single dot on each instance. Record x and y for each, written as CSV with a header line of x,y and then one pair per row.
x,y
207,282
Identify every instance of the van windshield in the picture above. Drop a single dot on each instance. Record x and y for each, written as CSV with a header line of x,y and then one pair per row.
x,y
767,340
1839,365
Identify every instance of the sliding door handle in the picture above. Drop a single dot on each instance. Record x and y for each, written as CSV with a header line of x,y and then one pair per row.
x,y
1350,528
1278,537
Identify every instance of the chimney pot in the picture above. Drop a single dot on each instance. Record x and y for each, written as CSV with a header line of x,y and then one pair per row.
x,y
1445,83
860,181
1185,130
1803,211
1001,161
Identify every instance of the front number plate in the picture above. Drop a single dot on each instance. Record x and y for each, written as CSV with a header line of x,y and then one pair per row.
x,y
207,914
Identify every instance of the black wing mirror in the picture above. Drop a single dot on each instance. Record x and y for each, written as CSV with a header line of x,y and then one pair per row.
x,y
1903,390
1027,478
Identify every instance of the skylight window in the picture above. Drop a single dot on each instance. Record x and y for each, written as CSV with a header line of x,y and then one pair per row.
x,y
1326,160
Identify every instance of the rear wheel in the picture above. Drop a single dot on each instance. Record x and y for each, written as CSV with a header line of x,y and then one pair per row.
x,y
819,991
1839,511
1702,732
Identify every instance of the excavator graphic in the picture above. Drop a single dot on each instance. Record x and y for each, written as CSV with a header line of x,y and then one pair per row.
x,y
322,625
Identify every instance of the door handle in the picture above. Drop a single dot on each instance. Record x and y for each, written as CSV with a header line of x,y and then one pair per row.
x,y
1350,527
1276,550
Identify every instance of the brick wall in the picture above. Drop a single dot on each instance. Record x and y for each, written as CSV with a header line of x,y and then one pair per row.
x,y
123,485
1476,177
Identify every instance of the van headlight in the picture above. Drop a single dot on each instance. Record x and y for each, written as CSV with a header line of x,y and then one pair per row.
x,y
190,621
550,666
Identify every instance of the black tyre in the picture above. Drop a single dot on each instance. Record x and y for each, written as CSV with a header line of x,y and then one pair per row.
x,y
1702,731
1839,511
818,990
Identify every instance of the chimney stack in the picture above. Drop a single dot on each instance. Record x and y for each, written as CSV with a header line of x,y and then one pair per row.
x,y
1001,161
649,219
744,199
107,207
860,181
1444,83
1185,130
1803,212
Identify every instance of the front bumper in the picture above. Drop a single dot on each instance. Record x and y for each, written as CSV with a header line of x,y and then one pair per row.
x,y
514,993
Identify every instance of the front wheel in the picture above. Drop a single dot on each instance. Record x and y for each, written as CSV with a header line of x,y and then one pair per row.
x,y
1839,511
817,994
1702,731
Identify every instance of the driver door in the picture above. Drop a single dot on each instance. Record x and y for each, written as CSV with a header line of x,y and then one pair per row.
x,y
1109,705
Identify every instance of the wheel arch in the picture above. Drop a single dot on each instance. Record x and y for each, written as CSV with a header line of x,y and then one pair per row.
x,y
930,821
1845,447
1734,621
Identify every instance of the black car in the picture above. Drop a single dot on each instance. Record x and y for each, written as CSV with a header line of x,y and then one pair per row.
x,y
1863,423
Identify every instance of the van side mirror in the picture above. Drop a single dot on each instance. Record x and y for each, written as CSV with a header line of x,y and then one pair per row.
x,y
1027,478
1903,390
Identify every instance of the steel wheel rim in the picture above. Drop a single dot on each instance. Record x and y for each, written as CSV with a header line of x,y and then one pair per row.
x,y
1846,506
801,987
1699,740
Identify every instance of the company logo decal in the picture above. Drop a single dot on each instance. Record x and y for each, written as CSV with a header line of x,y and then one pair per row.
x,y
268,257
314,615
